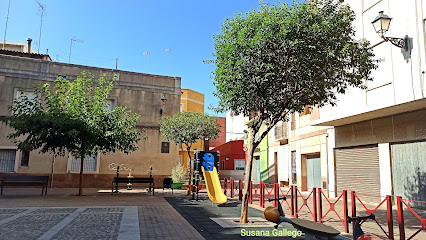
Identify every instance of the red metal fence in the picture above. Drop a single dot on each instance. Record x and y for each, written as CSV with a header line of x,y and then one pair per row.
x,y
320,203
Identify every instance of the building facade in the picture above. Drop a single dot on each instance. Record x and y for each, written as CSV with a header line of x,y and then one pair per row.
x,y
221,139
231,159
378,140
140,92
190,101
307,151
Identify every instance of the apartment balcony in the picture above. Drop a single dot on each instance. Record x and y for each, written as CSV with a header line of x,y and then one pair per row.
x,y
281,133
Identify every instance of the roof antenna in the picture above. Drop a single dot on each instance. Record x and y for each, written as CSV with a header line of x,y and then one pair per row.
x,y
73,39
5,29
42,7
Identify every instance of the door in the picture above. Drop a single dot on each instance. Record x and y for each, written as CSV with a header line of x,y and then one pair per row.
x,y
313,171
257,159
409,171
293,168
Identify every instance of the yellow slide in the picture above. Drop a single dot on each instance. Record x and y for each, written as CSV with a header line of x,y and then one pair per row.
x,y
213,186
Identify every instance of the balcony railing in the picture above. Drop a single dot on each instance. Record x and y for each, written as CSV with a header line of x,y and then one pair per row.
x,y
281,132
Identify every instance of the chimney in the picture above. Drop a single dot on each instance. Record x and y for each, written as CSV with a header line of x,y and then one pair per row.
x,y
29,40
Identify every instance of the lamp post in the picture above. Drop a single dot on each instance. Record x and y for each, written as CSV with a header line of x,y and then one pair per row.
x,y
381,25
163,104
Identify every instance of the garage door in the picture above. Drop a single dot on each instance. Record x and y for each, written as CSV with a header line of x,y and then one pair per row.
x,y
357,169
409,170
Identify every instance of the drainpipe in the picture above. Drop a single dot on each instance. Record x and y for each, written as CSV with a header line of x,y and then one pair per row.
x,y
29,40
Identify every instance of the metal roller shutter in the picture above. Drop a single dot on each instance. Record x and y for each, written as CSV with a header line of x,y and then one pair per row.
x,y
357,169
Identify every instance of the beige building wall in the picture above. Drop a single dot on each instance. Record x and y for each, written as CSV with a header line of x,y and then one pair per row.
x,y
307,140
140,92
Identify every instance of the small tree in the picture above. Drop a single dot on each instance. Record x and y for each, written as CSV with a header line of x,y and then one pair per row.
x,y
72,117
188,127
274,61
178,174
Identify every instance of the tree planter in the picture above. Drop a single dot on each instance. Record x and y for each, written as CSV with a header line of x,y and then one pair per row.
x,y
177,185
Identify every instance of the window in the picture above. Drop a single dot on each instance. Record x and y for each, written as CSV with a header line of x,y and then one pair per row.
x,y
239,164
89,165
279,133
25,158
29,94
180,160
293,121
181,107
7,160
110,105
223,164
165,147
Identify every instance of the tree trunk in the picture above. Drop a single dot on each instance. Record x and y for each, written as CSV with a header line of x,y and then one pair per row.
x,y
190,172
80,187
247,179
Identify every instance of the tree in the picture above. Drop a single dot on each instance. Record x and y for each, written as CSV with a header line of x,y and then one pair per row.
x,y
72,117
188,127
276,60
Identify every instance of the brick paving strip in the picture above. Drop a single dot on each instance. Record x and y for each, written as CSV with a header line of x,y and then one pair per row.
x,y
162,221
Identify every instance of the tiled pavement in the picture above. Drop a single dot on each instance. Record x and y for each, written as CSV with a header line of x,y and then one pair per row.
x,y
24,214
69,223
61,215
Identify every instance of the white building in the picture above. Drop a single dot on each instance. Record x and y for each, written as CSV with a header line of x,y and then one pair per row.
x,y
378,144
235,127
17,46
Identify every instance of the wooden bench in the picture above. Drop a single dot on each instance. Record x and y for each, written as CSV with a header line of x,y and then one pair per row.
x,y
148,180
24,180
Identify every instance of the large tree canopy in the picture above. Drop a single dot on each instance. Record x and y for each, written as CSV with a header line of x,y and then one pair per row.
x,y
278,59
72,117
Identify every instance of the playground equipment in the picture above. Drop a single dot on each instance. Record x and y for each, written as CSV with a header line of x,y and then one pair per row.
x,y
207,162
315,230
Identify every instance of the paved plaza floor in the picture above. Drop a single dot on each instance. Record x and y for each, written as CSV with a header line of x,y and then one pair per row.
x,y
24,214
133,215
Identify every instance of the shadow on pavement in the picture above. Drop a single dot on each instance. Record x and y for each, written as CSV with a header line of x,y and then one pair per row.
x,y
198,214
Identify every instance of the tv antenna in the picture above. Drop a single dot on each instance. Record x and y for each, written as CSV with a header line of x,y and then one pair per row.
x,y
170,60
42,7
73,39
5,29
147,53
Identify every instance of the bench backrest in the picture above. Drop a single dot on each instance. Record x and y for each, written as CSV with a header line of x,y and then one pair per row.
x,y
25,178
167,182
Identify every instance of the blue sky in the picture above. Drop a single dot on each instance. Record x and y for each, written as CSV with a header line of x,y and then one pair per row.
x,y
125,30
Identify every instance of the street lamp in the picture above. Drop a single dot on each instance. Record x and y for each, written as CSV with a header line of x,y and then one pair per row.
x,y
381,25
163,103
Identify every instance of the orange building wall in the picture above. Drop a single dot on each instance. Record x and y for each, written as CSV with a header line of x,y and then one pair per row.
x,y
191,101
222,135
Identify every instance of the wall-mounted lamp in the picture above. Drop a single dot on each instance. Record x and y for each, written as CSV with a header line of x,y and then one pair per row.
x,y
381,24
163,103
